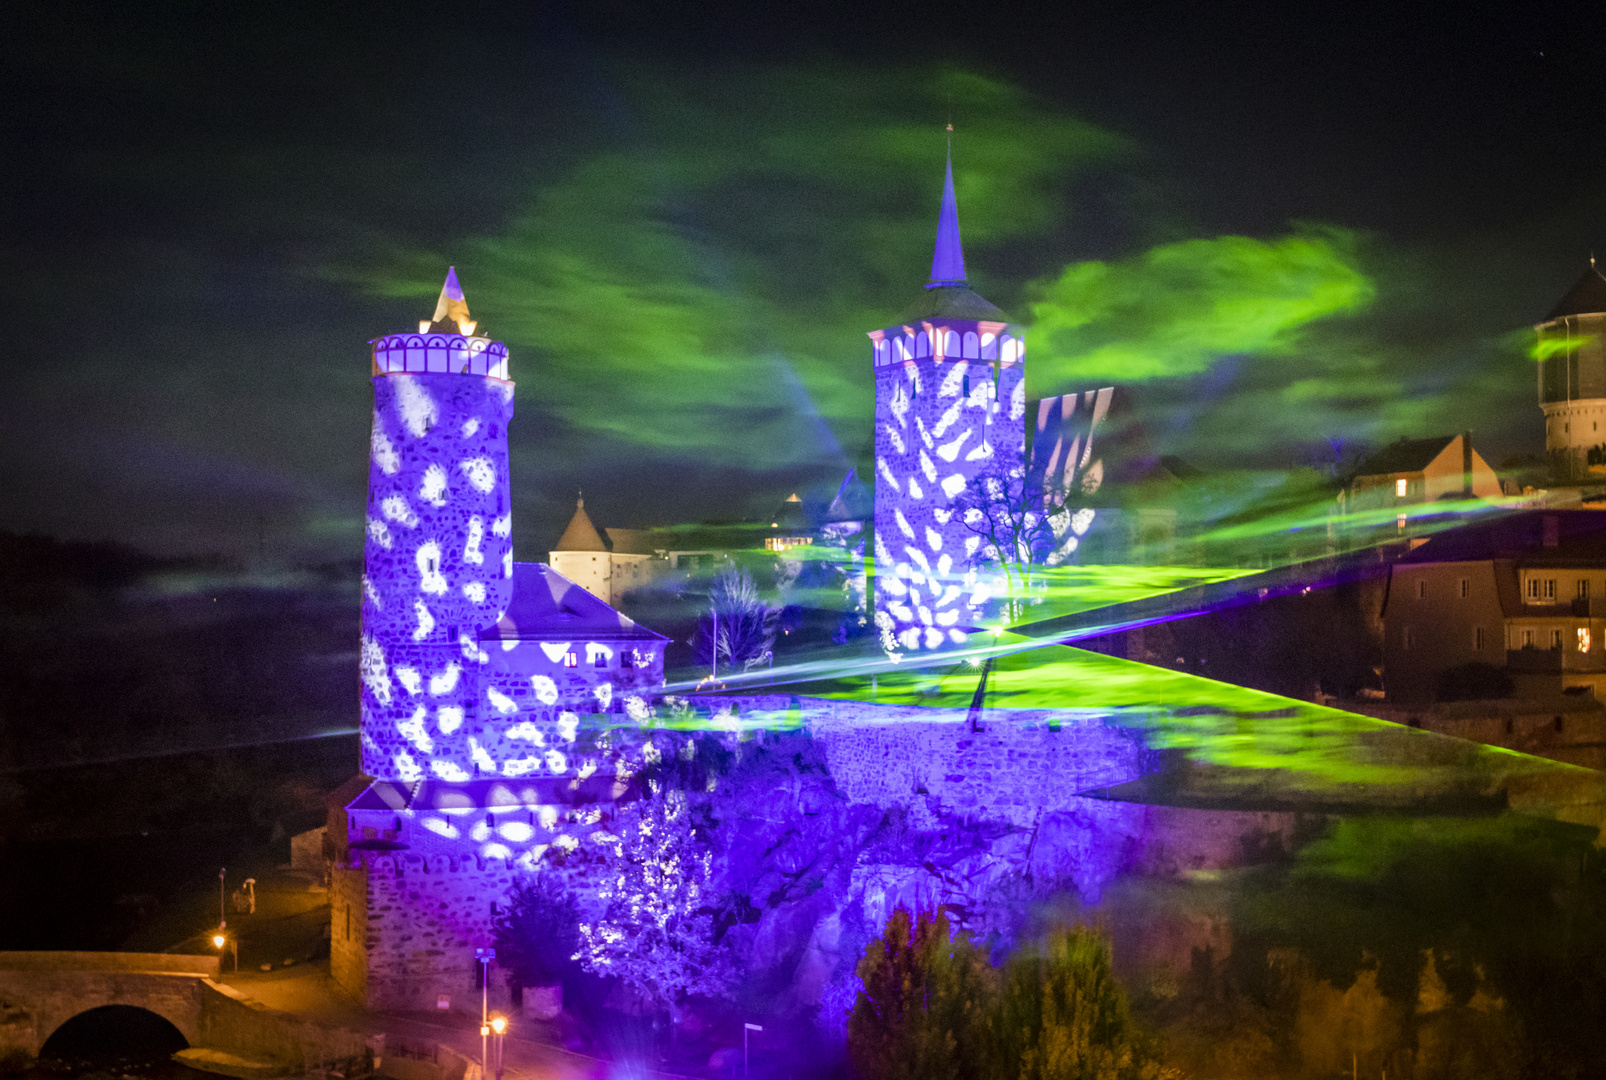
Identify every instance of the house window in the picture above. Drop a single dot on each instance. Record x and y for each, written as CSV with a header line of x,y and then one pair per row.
x,y
1533,588
1583,639
1409,638
1477,639
1399,522
1400,487
627,658
571,659
1583,588
1555,639
602,659
1466,588
1548,588
1527,639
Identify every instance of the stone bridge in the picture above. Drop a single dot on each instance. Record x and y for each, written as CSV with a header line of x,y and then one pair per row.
x,y
41,991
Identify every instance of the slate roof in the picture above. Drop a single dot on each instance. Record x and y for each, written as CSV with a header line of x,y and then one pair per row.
x,y
1580,540
952,302
581,535
390,796
546,606
1405,455
1587,297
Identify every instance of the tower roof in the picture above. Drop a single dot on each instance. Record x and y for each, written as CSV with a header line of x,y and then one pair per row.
x,y
581,535
1587,297
947,294
948,258
451,310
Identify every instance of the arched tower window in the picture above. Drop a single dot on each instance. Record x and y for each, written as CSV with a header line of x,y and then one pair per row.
x,y
922,344
989,347
971,344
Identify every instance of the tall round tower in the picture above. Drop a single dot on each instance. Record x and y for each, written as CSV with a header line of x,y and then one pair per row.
x,y
950,405
1572,379
439,557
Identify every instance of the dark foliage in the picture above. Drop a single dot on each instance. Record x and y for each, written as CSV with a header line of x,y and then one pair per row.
x,y
538,934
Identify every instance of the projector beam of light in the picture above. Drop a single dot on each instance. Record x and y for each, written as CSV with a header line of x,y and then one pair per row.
x,y
334,733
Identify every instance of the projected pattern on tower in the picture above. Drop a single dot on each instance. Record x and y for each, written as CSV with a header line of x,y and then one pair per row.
x,y
950,405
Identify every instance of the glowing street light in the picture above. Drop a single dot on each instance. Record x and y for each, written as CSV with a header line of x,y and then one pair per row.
x,y
221,941
499,1028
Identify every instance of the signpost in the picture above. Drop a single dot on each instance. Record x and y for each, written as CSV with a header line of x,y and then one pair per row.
x,y
747,1064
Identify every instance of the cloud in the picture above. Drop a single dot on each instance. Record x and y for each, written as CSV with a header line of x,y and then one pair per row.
x,y
1178,308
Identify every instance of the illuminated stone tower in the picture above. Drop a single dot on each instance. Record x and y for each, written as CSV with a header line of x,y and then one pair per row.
x,y
950,405
438,560
1572,379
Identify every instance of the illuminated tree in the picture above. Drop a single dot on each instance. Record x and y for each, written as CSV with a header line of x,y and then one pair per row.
x,y
740,627
655,929
1021,524
922,1014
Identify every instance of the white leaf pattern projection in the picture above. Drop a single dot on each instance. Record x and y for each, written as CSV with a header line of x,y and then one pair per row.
x,y
418,409
471,427
481,473
449,718
411,680
426,621
383,453
929,467
476,535
894,438
428,558
412,729
546,691
915,490
501,702
396,509
446,682
949,451
881,464
433,489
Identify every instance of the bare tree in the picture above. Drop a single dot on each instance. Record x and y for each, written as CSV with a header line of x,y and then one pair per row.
x,y
739,628
1021,523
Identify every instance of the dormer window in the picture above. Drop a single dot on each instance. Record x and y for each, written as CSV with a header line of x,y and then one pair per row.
x,y
571,659
1400,488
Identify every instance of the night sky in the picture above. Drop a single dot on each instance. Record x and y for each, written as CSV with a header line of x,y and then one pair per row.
x,y
1278,230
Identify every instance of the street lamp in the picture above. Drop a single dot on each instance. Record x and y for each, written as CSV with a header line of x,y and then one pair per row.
x,y
499,1028
483,957
219,941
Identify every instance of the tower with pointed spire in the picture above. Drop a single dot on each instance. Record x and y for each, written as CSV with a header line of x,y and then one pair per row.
x,y
950,405
438,562
1571,351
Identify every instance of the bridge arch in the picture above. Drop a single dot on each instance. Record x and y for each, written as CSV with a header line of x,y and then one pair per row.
x,y
116,1031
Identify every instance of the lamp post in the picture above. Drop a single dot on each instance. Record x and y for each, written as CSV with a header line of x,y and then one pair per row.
x,y
220,940
222,910
498,1028
483,957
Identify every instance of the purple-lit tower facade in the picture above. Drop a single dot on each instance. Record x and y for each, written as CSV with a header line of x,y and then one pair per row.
x,y
439,558
950,405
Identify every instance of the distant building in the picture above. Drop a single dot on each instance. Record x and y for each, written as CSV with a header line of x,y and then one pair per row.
x,y
607,573
1571,350
1524,594
1411,472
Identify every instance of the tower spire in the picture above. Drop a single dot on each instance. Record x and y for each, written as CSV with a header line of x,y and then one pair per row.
x,y
451,310
948,260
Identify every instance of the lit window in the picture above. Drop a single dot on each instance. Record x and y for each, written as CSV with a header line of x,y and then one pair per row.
x,y
1477,639
571,659
1583,588
1399,522
1399,488
1583,639
1466,588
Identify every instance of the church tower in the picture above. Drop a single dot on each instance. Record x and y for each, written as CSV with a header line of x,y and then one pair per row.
x,y
1572,379
438,561
950,405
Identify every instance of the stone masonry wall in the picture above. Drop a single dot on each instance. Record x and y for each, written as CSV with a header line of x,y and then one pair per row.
x,y
424,923
348,928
